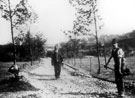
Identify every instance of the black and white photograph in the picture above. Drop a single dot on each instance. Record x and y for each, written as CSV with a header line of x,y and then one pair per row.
x,y
67,48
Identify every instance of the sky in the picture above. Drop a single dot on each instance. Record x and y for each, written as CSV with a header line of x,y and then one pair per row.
x,y
118,16
55,16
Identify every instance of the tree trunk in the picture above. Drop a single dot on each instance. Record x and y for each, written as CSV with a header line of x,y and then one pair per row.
x,y
97,43
104,54
31,55
30,49
12,33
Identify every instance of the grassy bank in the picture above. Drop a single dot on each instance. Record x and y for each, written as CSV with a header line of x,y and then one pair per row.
x,y
90,64
4,74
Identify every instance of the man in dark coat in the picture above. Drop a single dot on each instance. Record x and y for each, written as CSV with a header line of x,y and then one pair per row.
x,y
57,61
117,54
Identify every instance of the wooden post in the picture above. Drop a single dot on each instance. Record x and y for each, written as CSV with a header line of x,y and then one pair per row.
x,y
104,54
90,64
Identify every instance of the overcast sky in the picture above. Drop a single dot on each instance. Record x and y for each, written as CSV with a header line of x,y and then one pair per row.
x,y
118,16
58,15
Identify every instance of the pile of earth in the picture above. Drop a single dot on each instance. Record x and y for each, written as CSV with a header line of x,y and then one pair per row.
x,y
13,85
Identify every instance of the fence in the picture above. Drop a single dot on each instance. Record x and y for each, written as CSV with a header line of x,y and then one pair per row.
x,y
90,64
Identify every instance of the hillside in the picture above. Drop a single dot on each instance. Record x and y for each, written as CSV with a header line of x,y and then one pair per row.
x,y
126,42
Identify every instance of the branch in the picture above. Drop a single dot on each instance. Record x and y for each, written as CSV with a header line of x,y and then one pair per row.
x,y
15,10
2,1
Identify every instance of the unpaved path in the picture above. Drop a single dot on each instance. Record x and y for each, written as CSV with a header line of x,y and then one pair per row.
x,y
67,86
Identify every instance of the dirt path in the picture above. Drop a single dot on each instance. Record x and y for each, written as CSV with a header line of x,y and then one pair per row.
x,y
67,86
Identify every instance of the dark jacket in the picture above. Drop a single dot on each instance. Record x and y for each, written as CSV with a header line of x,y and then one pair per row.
x,y
56,58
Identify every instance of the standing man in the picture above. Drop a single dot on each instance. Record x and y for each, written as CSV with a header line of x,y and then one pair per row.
x,y
117,54
57,61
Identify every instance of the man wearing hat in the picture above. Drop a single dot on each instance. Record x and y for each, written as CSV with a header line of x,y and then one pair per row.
x,y
117,54
57,61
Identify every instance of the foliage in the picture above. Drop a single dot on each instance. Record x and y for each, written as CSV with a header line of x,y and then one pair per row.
x,y
87,20
82,47
16,14
20,12
88,46
6,52
71,48
37,43
125,42
86,12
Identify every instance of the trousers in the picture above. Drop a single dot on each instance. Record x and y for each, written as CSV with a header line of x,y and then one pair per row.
x,y
119,82
57,69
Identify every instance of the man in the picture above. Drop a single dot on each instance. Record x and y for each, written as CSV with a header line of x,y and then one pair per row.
x,y
57,61
117,54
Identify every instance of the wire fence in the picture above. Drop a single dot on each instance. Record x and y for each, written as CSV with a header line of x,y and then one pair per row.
x,y
90,63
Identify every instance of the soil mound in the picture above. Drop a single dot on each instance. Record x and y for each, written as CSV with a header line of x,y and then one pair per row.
x,y
13,85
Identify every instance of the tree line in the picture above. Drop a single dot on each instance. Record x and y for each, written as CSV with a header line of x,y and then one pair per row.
x,y
31,48
87,46
24,46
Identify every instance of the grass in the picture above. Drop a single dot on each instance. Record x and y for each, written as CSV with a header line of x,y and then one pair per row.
x,y
90,64
10,84
4,74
